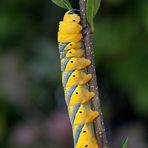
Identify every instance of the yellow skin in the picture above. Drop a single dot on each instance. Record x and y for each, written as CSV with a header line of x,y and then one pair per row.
x,y
81,95
77,63
69,29
86,132
73,45
77,78
84,115
65,37
87,138
87,143
75,53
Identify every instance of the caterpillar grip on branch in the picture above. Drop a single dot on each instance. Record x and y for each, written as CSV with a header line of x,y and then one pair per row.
x,y
75,80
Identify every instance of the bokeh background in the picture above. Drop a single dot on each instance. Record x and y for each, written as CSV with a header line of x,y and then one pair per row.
x,y
32,108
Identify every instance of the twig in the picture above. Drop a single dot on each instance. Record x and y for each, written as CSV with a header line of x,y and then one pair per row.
x,y
95,103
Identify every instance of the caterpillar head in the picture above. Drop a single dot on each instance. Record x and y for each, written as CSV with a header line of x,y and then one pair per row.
x,y
75,53
73,11
72,16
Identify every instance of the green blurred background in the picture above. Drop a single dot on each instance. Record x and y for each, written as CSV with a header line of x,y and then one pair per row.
x,y
32,108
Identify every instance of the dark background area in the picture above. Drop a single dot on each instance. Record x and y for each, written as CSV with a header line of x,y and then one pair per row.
x,y
32,109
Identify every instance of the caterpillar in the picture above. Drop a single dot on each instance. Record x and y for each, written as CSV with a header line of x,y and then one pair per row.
x,y
75,80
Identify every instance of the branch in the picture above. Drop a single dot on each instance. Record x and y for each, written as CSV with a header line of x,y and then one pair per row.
x,y
95,103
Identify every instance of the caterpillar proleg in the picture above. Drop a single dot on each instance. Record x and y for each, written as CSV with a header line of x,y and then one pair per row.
x,y
75,80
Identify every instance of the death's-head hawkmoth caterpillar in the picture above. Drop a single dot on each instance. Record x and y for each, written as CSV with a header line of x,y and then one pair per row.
x,y
75,80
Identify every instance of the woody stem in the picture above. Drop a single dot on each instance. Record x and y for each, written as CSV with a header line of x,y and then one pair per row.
x,y
95,102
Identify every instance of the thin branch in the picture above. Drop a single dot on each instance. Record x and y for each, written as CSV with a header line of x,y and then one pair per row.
x,y
95,103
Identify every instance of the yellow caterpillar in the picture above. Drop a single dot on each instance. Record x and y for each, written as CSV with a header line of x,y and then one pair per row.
x,y
75,79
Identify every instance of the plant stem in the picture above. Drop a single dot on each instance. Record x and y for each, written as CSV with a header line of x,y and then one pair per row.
x,y
95,103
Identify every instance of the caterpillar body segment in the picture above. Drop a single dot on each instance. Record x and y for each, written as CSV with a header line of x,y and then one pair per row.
x,y
70,27
78,94
67,37
74,63
69,45
84,133
75,80
75,77
81,114
91,143
74,53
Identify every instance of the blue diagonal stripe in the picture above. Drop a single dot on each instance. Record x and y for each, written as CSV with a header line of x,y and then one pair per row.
x,y
66,77
77,134
74,112
69,93
64,64
62,46
63,54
